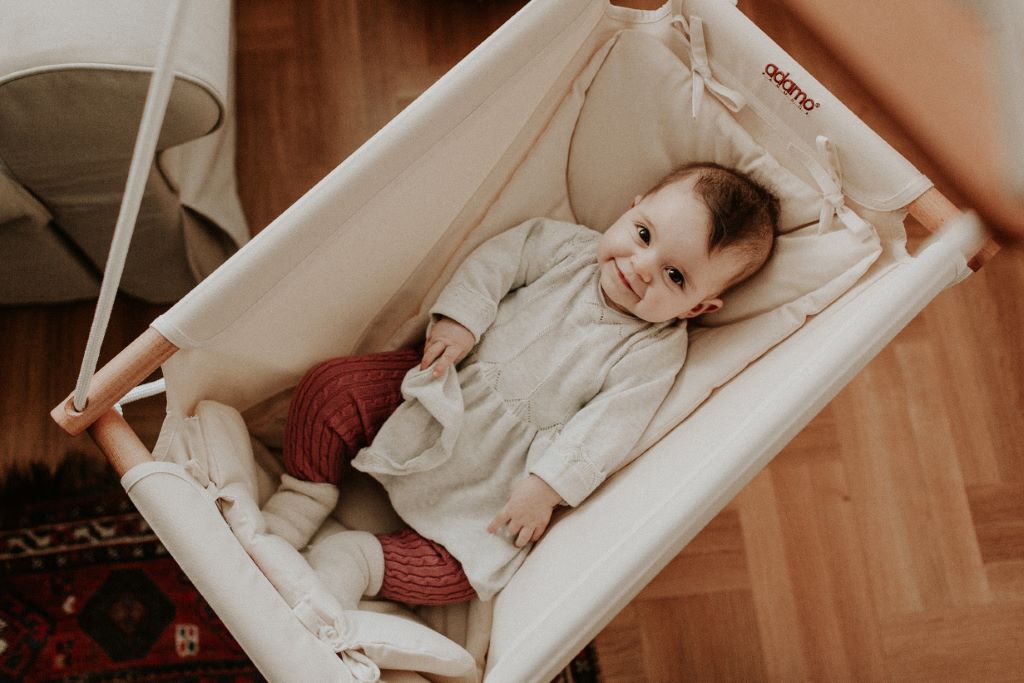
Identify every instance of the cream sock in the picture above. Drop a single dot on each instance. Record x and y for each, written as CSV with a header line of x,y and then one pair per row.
x,y
350,564
298,508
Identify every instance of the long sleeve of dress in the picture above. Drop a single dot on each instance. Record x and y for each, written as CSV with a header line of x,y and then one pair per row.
x,y
596,440
513,259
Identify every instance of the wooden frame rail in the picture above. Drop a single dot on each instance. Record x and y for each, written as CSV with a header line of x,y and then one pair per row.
x,y
119,442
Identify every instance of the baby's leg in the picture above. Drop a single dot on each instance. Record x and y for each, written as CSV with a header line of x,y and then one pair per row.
x,y
418,571
402,566
337,409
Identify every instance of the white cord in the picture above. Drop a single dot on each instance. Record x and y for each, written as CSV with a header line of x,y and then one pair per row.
x,y
142,158
144,391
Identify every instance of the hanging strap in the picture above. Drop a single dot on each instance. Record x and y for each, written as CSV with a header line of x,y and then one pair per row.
x,y
828,175
142,159
692,34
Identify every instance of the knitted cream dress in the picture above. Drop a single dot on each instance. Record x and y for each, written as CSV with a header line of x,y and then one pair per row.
x,y
559,384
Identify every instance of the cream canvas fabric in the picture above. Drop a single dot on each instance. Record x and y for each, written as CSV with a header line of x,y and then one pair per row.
x,y
787,109
487,147
609,130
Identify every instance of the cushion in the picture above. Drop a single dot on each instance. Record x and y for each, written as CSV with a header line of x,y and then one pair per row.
x,y
638,119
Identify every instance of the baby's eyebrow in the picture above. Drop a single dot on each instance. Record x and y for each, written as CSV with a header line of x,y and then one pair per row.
x,y
644,218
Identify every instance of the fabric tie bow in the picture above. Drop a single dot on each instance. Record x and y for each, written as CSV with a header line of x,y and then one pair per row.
x,y
692,34
828,175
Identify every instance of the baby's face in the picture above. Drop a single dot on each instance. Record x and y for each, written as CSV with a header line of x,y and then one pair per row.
x,y
654,262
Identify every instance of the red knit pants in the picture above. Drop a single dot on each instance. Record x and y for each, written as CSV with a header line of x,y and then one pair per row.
x,y
336,410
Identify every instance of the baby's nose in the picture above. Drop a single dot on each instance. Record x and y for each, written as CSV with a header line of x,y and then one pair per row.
x,y
642,268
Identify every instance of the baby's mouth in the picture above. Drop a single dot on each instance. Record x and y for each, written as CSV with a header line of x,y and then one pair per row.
x,y
622,277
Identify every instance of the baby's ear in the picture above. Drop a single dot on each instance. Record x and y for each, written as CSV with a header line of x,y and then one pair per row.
x,y
706,306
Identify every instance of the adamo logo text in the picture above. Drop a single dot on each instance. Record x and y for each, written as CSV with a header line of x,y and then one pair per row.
x,y
787,85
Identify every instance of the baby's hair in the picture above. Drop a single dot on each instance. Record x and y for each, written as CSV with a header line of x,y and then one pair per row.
x,y
744,213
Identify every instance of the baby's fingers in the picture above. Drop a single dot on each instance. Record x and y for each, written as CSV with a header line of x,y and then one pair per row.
x,y
498,522
525,536
448,358
432,352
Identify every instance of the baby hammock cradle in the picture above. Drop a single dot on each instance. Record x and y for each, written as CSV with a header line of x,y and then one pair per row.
x,y
489,145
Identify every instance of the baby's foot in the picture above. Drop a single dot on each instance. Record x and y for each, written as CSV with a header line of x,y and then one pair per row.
x,y
298,508
349,563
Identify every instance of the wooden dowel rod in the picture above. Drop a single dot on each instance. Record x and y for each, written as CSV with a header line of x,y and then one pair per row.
x,y
119,442
932,209
984,255
115,379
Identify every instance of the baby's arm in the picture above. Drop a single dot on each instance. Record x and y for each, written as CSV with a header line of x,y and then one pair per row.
x,y
596,440
599,438
468,304
510,260
527,511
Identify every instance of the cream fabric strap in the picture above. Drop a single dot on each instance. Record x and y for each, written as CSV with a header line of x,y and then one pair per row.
x,y
142,157
828,175
692,34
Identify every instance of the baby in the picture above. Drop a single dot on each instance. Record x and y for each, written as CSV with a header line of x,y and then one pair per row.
x,y
547,355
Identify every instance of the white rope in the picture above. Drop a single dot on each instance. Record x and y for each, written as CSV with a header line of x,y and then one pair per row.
x,y
142,391
142,158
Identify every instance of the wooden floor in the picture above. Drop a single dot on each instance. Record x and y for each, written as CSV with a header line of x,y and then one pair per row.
x,y
885,543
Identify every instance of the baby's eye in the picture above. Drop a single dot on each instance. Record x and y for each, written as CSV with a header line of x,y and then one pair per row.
x,y
675,276
644,234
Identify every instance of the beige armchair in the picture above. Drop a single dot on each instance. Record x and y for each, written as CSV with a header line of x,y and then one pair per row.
x,y
73,81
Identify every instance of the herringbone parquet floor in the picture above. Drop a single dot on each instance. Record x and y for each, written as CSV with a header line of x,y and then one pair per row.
x,y
885,543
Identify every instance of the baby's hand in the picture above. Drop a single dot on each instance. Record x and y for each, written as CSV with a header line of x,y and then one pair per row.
x,y
448,343
527,511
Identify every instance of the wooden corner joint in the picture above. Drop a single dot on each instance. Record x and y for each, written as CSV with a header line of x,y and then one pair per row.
x,y
115,379
932,209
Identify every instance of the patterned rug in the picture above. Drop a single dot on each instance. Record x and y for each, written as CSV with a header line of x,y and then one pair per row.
x,y
88,592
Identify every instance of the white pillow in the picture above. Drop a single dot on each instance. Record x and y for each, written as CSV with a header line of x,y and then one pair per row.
x,y
637,125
